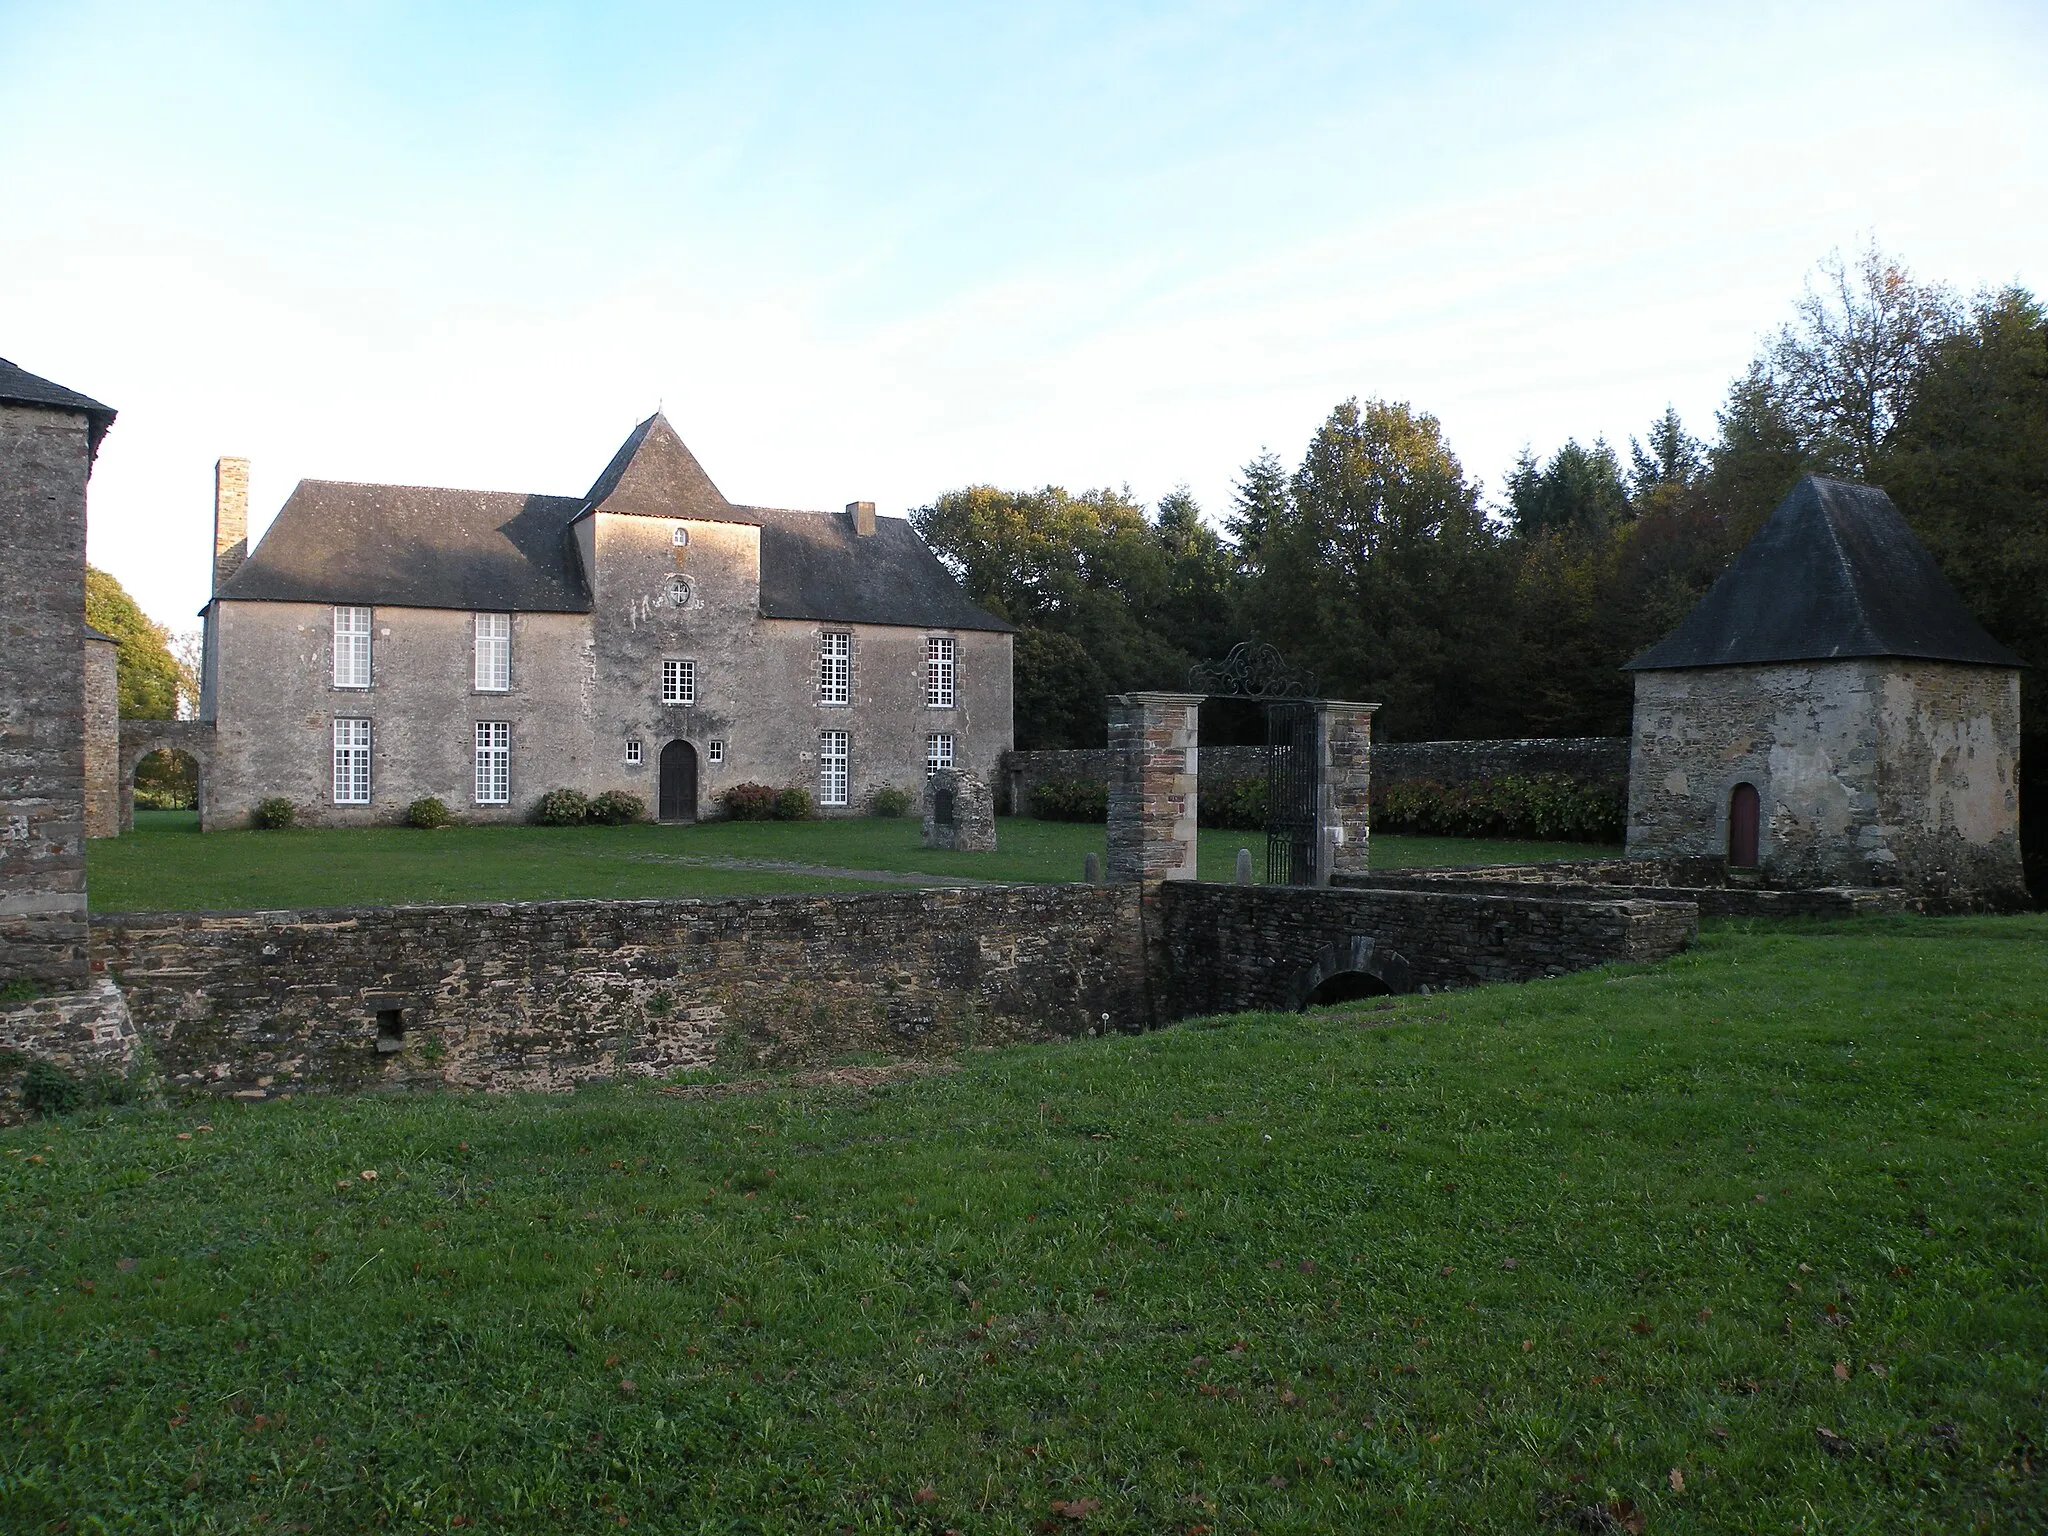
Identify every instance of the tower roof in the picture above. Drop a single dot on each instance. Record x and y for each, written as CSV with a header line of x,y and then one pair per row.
x,y
655,475
20,387
1835,573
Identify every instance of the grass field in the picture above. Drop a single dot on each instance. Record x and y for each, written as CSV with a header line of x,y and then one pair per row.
x,y
1753,1240
167,864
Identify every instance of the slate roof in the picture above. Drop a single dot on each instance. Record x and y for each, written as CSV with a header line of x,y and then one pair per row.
x,y
1835,573
20,387
419,547
413,546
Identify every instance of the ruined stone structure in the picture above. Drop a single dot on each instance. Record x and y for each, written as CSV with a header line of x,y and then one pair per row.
x,y
1831,715
102,734
959,812
49,436
384,643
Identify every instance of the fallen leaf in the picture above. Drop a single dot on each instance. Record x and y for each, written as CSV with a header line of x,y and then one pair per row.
x,y
1527,1345
1841,1370
1507,1264
1705,1313
369,1175
1879,1371
1076,1509
925,1495
1677,1481
628,1387
1641,1327
1833,1443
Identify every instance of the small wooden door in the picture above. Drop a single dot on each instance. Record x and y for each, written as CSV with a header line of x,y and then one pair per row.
x,y
1743,811
678,782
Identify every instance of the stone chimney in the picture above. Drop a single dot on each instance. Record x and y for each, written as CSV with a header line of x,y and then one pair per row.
x,y
230,518
862,515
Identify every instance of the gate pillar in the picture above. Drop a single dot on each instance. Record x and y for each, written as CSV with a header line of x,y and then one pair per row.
x,y
1154,739
1344,822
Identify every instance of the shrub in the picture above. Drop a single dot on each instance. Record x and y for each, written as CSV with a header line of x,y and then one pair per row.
x,y
749,802
890,802
274,814
1551,807
427,813
48,1089
615,808
1236,803
1070,800
561,808
793,804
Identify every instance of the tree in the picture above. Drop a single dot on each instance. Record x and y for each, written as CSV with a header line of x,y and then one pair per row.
x,y
1843,369
1672,459
1383,576
1579,492
1199,617
1259,500
151,680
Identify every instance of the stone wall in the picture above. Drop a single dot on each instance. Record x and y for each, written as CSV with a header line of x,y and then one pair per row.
x,y
102,736
1589,759
1233,947
1869,772
1612,879
45,459
543,995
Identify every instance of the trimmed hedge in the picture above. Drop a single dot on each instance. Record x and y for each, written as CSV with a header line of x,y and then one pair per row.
x,y
1549,807
615,808
1236,803
749,802
890,801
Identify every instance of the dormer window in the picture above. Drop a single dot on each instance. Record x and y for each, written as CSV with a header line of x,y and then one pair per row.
x,y
680,537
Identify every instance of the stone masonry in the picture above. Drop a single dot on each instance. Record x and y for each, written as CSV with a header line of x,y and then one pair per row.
x,y
102,735
959,812
1346,812
48,438
1154,741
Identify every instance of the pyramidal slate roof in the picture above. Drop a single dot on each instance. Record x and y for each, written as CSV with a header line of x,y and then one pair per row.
x,y
1835,573
414,546
20,387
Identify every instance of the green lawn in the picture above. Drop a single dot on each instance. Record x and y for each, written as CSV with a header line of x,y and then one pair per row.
x,y
1753,1240
166,864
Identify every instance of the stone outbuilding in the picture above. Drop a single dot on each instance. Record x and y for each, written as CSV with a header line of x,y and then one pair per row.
x,y
959,812
1831,714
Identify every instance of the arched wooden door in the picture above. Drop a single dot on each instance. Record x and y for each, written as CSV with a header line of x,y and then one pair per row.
x,y
678,782
1743,815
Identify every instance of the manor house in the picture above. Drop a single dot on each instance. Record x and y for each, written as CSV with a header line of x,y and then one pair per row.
x,y
387,642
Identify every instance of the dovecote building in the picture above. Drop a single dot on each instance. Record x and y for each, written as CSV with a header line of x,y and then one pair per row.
x,y
384,643
1831,714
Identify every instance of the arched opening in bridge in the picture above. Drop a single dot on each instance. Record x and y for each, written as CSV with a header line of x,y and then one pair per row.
x,y
167,790
1346,987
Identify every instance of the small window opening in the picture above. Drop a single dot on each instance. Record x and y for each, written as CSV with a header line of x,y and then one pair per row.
x,y
633,751
717,753
942,808
390,1031
680,537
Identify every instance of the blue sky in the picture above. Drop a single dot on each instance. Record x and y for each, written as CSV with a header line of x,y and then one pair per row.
x,y
875,252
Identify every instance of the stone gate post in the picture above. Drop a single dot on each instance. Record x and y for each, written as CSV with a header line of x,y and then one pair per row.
x,y
1154,739
1344,819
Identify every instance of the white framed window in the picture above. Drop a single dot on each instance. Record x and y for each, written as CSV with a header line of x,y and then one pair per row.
x,y
832,763
938,751
351,647
679,682
717,752
938,671
493,762
493,652
352,762
835,667
633,752
680,537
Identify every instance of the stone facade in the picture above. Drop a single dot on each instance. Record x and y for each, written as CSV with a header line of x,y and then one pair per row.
x,y
959,812
657,647
1346,811
102,735
1875,771
1154,746
46,455
1229,948
543,995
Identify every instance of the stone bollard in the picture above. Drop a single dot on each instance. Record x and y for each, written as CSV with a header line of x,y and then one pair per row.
x,y
1244,866
1091,869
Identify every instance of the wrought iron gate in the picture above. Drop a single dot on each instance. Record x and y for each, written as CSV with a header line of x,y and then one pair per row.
x,y
1294,790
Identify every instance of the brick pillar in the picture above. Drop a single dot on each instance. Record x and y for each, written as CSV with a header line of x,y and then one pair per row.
x,y
1344,820
1153,743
